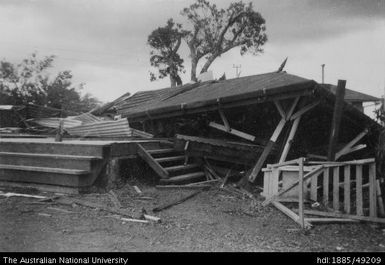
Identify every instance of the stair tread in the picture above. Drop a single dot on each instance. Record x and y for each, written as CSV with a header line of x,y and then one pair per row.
x,y
49,155
45,169
180,167
170,158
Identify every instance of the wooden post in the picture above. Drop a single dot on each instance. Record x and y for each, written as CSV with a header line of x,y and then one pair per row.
x,y
267,150
300,195
372,190
337,115
326,187
347,189
289,141
336,188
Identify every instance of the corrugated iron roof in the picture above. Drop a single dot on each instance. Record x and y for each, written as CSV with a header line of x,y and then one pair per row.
x,y
155,100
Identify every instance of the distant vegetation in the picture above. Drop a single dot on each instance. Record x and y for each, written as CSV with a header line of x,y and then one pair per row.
x,y
31,82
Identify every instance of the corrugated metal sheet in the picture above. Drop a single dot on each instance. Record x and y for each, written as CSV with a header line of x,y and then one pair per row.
x,y
54,122
86,118
118,128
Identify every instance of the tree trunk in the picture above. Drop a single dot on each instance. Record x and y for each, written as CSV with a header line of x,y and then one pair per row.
x,y
194,64
209,61
172,81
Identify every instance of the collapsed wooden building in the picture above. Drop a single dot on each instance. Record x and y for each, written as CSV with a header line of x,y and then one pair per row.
x,y
268,129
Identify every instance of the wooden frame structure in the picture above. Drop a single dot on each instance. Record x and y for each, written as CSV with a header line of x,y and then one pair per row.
x,y
356,178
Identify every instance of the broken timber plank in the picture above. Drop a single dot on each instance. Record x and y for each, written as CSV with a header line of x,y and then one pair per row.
x,y
232,131
258,166
350,145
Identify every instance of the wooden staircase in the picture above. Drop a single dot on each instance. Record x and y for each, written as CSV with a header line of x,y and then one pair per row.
x,y
170,164
58,167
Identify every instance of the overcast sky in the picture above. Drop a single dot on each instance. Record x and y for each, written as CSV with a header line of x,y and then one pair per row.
x,y
103,42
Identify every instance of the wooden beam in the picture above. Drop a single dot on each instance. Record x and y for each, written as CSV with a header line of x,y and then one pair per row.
x,y
291,215
232,131
304,110
350,145
350,216
280,109
300,194
337,115
330,220
289,141
292,108
225,121
267,150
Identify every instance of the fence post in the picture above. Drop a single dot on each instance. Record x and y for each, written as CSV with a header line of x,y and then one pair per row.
x,y
300,193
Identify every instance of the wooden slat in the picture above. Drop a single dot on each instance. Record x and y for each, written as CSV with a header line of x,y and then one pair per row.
x,y
336,188
372,191
314,188
359,208
152,162
326,186
381,208
347,189
330,220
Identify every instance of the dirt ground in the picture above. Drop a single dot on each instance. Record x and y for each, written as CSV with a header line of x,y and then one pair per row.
x,y
214,220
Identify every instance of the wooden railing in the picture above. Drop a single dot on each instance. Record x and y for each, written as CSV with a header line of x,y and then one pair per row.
x,y
346,190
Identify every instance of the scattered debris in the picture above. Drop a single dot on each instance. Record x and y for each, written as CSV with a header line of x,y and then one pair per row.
x,y
11,194
137,190
44,214
133,220
183,199
152,218
59,210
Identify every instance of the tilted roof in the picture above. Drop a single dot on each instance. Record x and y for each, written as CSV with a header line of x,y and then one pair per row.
x,y
352,95
206,93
